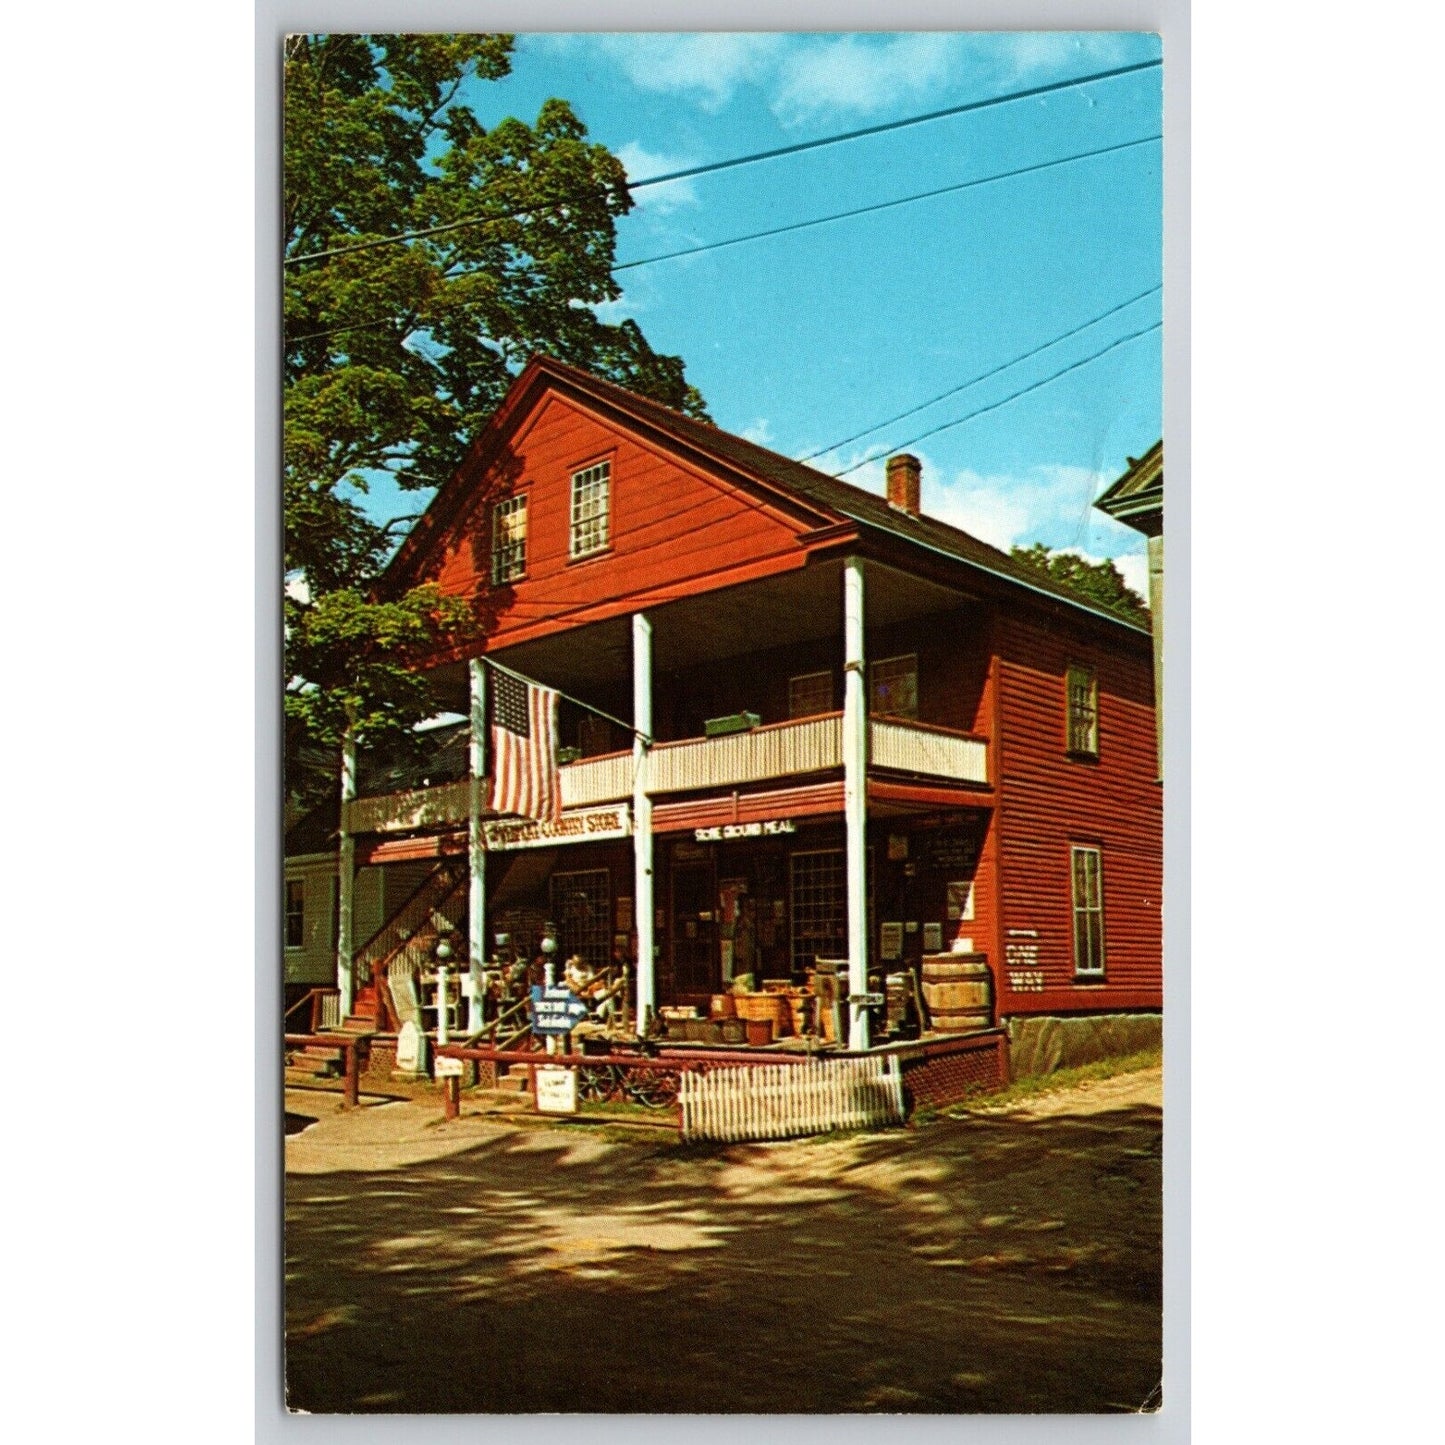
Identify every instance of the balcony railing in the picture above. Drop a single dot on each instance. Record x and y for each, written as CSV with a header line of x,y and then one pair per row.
x,y
779,750
934,752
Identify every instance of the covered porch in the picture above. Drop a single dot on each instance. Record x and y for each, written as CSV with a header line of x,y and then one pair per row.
x,y
757,724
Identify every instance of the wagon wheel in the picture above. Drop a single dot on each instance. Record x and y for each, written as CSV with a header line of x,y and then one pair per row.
x,y
598,1082
594,1082
652,1088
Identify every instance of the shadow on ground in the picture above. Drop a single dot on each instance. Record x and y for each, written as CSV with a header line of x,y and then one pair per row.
x,y
974,1264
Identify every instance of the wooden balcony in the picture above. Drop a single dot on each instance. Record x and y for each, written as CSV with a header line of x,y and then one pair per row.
x,y
764,754
779,750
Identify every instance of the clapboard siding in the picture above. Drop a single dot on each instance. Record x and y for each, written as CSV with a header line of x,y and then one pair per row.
x,y
1048,800
672,528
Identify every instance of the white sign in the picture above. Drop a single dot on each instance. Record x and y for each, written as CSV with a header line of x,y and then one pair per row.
x,y
727,831
556,1090
449,1068
578,825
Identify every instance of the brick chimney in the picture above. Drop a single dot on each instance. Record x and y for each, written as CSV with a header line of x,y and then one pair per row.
x,y
905,482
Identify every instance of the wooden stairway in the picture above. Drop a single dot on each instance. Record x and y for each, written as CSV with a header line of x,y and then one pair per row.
x,y
324,1061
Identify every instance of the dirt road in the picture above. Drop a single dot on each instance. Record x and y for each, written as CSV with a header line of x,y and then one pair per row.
x,y
991,1262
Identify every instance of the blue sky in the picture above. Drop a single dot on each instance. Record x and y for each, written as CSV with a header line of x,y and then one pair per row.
x,y
801,340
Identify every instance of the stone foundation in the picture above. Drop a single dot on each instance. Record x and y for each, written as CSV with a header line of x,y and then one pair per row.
x,y
1042,1045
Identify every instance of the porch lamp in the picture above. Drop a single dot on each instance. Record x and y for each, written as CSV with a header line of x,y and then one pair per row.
x,y
443,954
549,954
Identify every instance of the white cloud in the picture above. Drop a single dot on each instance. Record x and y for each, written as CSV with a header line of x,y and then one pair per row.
x,y
1030,54
758,431
862,74
706,66
640,163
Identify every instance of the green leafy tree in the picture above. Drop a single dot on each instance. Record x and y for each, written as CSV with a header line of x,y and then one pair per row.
x,y
1100,582
396,353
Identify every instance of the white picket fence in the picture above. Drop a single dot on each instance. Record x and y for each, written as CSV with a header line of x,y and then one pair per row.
x,y
782,1101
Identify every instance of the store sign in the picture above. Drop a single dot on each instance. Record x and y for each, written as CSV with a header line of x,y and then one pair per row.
x,y
580,825
556,1090
726,832
556,1010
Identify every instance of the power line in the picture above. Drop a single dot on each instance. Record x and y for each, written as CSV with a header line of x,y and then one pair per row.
x,y
885,205
971,105
982,376
805,225
994,406
752,159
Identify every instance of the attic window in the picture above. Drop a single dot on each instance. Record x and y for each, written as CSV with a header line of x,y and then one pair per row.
x,y
591,510
509,540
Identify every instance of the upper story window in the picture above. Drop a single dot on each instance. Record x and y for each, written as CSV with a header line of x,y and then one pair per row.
x,y
591,509
893,687
594,736
1087,867
810,694
1082,686
509,539
295,913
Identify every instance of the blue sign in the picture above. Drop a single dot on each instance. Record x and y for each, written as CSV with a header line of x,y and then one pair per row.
x,y
556,1010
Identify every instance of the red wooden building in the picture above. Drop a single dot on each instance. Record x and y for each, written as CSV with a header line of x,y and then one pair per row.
x,y
929,741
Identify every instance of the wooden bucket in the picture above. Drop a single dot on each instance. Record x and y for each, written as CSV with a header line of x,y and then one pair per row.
x,y
722,1006
760,1031
958,991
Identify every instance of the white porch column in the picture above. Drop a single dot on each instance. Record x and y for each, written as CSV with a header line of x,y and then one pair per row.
x,y
855,795
476,854
346,876
642,903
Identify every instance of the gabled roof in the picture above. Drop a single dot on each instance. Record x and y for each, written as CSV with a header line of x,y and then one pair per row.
x,y
836,501
1137,498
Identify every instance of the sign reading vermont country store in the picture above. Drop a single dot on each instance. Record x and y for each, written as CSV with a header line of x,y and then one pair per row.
x,y
581,825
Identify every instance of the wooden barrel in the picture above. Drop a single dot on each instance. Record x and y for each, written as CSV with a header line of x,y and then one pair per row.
x,y
958,991
722,1006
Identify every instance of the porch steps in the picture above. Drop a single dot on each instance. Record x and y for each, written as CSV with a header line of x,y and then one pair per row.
x,y
316,1059
513,1079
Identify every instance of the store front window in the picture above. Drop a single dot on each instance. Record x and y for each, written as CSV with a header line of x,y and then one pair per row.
x,y
582,911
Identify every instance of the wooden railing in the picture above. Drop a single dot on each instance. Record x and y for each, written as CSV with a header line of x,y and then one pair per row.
x,y
780,750
606,779
908,747
777,750
415,808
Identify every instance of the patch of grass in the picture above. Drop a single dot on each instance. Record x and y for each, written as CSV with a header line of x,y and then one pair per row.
x,y
1034,1085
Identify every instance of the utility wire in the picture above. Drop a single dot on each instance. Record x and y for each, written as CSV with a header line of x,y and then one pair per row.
x,y
995,405
982,376
746,160
884,205
805,225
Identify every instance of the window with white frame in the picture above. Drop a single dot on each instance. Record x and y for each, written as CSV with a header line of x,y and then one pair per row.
x,y
509,539
893,687
591,508
1082,685
1087,867
818,899
295,913
810,694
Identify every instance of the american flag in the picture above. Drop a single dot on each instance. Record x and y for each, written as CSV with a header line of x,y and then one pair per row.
x,y
524,750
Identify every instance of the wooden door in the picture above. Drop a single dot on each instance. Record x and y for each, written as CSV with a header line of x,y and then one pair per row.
x,y
695,967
